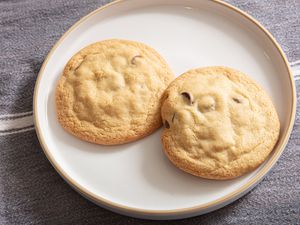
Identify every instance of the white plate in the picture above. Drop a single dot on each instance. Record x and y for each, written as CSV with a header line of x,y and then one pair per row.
x,y
136,179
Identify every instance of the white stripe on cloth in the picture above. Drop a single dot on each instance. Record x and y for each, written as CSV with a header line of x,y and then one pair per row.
x,y
17,123
17,131
21,122
296,70
15,115
295,62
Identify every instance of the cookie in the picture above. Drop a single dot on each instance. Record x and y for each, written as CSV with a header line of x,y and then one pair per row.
x,y
110,92
219,123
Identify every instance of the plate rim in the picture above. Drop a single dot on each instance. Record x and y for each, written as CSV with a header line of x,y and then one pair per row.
x,y
173,212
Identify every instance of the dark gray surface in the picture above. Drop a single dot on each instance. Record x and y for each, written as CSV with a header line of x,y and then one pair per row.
x,y
31,192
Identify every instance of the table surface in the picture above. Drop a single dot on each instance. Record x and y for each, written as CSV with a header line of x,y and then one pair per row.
x,y
31,192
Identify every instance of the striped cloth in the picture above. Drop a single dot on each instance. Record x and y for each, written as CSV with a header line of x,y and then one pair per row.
x,y
31,192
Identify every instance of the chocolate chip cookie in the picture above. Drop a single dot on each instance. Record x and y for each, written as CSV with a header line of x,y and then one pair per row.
x,y
110,92
219,123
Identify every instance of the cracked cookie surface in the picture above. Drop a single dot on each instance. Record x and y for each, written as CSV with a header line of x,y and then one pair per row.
x,y
219,123
110,92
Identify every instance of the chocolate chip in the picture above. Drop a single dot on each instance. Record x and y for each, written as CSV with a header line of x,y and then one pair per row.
x,y
173,117
134,59
167,125
237,100
188,96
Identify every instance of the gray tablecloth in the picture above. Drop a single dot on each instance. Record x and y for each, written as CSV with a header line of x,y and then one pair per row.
x,y
31,192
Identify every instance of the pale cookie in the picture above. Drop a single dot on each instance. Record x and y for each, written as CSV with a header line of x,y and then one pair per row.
x,y
219,124
110,92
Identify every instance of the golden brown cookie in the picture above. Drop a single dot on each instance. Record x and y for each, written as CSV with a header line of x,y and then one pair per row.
x,y
219,123
110,92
